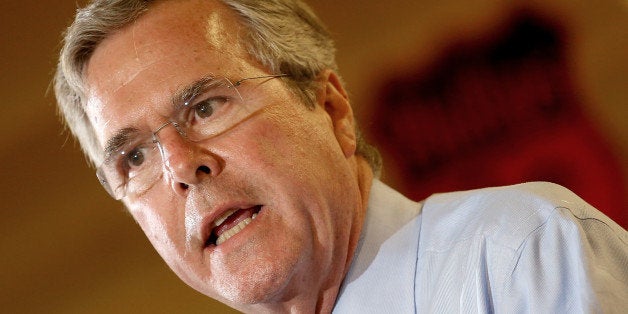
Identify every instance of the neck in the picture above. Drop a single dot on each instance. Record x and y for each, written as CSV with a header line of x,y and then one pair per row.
x,y
364,177
365,181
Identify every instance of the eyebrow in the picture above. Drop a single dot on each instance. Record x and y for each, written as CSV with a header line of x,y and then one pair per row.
x,y
185,95
119,140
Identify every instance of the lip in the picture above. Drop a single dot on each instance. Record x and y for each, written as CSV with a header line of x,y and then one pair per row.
x,y
207,226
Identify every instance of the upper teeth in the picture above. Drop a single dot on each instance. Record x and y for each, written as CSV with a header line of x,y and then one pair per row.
x,y
223,217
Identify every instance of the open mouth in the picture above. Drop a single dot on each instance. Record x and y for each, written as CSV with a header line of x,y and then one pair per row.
x,y
230,223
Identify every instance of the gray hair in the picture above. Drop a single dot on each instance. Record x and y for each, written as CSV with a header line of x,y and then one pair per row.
x,y
285,36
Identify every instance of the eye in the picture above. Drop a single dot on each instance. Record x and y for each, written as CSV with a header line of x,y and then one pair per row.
x,y
204,109
135,158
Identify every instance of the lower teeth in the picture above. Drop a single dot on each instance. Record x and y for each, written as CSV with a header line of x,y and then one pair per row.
x,y
233,231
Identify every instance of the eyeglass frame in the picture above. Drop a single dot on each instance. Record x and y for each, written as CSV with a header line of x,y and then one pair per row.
x,y
100,172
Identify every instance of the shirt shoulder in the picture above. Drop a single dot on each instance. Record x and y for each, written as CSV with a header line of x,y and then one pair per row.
x,y
522,248
506,214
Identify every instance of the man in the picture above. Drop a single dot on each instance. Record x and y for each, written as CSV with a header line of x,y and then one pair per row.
x,y
225,129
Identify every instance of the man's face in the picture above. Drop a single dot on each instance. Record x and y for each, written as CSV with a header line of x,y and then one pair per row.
x,y
291,166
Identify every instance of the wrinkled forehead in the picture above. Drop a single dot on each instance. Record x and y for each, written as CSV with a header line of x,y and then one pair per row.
x,y
169,46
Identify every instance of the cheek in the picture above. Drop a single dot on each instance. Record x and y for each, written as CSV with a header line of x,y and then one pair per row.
x,y
161,230
299,158
294,140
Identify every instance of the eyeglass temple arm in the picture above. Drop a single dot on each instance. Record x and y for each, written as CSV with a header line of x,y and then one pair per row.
x,y
237,83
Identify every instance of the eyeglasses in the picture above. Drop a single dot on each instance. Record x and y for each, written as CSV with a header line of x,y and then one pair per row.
x,y
134,159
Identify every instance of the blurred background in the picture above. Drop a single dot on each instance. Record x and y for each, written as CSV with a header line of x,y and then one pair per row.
x,y
457,94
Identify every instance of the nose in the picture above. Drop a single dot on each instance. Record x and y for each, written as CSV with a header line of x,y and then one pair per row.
x,y
186,163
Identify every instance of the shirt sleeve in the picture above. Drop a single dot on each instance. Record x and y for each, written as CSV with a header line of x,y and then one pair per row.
x,y
575,262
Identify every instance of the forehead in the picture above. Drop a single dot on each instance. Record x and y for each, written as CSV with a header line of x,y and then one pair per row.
x,y
137,69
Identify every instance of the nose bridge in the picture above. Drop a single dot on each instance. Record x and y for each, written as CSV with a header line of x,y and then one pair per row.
x,y
171,143
164,140
163,126
181,157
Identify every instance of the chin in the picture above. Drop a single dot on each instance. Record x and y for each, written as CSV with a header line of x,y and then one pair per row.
x,y
261,281
257,288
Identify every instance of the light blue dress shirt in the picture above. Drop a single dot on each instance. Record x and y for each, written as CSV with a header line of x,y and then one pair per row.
x,y
528,248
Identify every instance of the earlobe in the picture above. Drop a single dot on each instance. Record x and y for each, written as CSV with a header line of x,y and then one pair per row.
x,y
336,104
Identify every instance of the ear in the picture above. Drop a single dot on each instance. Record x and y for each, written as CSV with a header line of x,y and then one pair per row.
x,y
334,99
